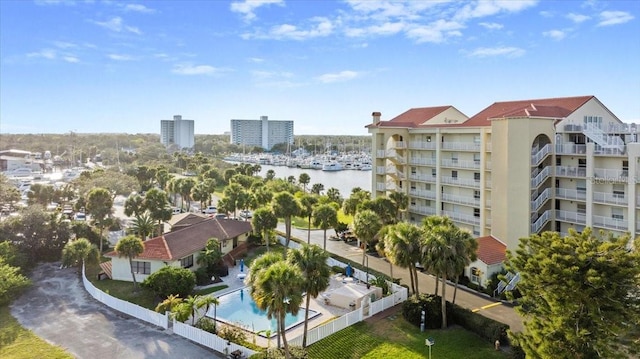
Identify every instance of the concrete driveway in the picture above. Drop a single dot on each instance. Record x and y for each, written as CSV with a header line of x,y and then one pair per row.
x,y
59,310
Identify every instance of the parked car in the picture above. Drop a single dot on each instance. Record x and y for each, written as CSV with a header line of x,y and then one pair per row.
x,y
210,210
176,210
246,214
80,216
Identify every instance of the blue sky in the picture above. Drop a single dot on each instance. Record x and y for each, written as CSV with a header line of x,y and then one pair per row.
x,y
118,66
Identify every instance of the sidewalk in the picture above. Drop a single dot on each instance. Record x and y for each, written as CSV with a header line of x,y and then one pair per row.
x,y
481,303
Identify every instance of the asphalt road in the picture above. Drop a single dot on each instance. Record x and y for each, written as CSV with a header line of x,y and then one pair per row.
x,y
58,309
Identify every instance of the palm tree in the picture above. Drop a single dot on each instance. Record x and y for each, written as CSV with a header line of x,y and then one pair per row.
x,y
186,185
334,195
143,225
200,192
78,251
285,206
260,263
304,180
325,216
156,202
264,221
366,225
191,304
210,255
317,188
312,261
172,301
466,249
307,202
134,205
271,174
231,195
278,291
130,246
100,207
400,202
206,301
402,247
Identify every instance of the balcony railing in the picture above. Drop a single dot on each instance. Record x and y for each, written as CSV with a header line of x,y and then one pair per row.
x,y
538,156
468,200
422,177
541,199
460,164
608,175
460,217
393,171
611,223
570,216
381,187
540,177
467,182
608,151
422,145
540,221
381,153
400,144
381,170
568,171
422,161
571,194
423,210
421,193
571,149
461,146
611,198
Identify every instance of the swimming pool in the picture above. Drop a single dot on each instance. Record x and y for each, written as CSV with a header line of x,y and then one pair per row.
x,y
238,308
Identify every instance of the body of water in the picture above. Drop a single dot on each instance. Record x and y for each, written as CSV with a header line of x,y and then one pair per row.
x,y
344,180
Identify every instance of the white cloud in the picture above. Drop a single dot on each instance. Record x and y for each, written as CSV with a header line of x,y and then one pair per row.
x,y
547,14
578,18
435,32
64,45
322,28
116,25
188,69
264,75
555,34
497,51
491,25
608,18
247,8
138,8
71,59
337,77
44,53
487,8
120,57
256,60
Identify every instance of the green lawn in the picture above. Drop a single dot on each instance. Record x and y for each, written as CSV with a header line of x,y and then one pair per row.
x,y
211,289
17,342
122,290
397,338
302,223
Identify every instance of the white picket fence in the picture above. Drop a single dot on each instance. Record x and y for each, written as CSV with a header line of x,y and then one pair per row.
x,y
399,295
149,316
209,340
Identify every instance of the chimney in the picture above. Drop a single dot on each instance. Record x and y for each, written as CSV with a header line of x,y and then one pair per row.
x,y
376,117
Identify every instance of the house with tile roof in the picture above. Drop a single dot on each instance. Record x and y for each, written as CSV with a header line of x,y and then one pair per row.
x,y
513,169
181,248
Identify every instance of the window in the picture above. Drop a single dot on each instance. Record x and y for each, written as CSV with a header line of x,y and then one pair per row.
x,y
476,194
454,158
224,243
187,262
454,174
476,230
413,202
616,213
413,170
413,186
625,168
476,212
141,267
582,163
428,138
476,140
476,176
476,158
582,208
618,191
433,172
475,275
581,185
427,203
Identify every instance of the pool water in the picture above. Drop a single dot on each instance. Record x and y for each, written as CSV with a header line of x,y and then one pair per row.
x,y
238,308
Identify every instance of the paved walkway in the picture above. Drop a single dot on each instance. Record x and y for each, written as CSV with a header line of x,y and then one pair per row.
x,y
480,303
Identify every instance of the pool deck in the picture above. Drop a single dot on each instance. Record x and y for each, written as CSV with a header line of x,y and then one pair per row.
x,y
327,312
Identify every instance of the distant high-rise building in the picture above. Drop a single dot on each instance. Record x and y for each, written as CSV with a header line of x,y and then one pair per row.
x,y
177,131
262,132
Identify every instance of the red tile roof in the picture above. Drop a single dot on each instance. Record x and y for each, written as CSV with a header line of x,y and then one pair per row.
x,y
413,117
178,244
491,250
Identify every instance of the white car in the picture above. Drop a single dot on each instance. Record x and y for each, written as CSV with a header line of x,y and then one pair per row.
x,y
246,214
79,216
210,210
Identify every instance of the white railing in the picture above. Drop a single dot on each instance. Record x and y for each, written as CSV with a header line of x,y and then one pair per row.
x,y
571,149
569,171
422,161
463,146
540,177
424,145
540,155
423,210
611,223
460,217
540,222
380,170
542,197
422,177
459,164
381,187
470,200
608,151
209,340
467,182
381,153
136,311
603,139
611,175
571,216
605,197
572,194
400,144
422,193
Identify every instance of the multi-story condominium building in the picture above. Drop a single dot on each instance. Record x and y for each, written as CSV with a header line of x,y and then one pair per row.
x,y
178,132
262,132
515,168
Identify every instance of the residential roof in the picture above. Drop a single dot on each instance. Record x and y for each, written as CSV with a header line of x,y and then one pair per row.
x,y
179,244
491,250
186,219
413,117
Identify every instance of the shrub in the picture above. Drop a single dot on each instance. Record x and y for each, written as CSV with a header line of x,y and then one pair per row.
x,y
206,324
278,353
220,270
382,283
171,280
485,327
202,276
338,269
232,334
412,310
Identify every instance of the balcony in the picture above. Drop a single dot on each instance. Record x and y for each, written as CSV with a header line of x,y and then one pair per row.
x,y
568,171
381,153
394,156
422,178
393,171
422,161
423,210
541,221
420,193
571,194
460,217
609,175
600,151
610,198
460,164
571,149
466,182
538,155
572,128
461,146
572,217
541,199
540,177
466,200
381,170
611,223
400,144
381,187
422,145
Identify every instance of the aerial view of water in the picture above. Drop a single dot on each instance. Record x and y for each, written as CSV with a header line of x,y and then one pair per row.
x,y
344,180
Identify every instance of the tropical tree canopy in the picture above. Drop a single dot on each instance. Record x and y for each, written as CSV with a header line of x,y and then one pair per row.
x,y
130,247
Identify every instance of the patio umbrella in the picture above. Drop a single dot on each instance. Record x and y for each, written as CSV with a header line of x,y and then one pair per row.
x,y
349,270
241,265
